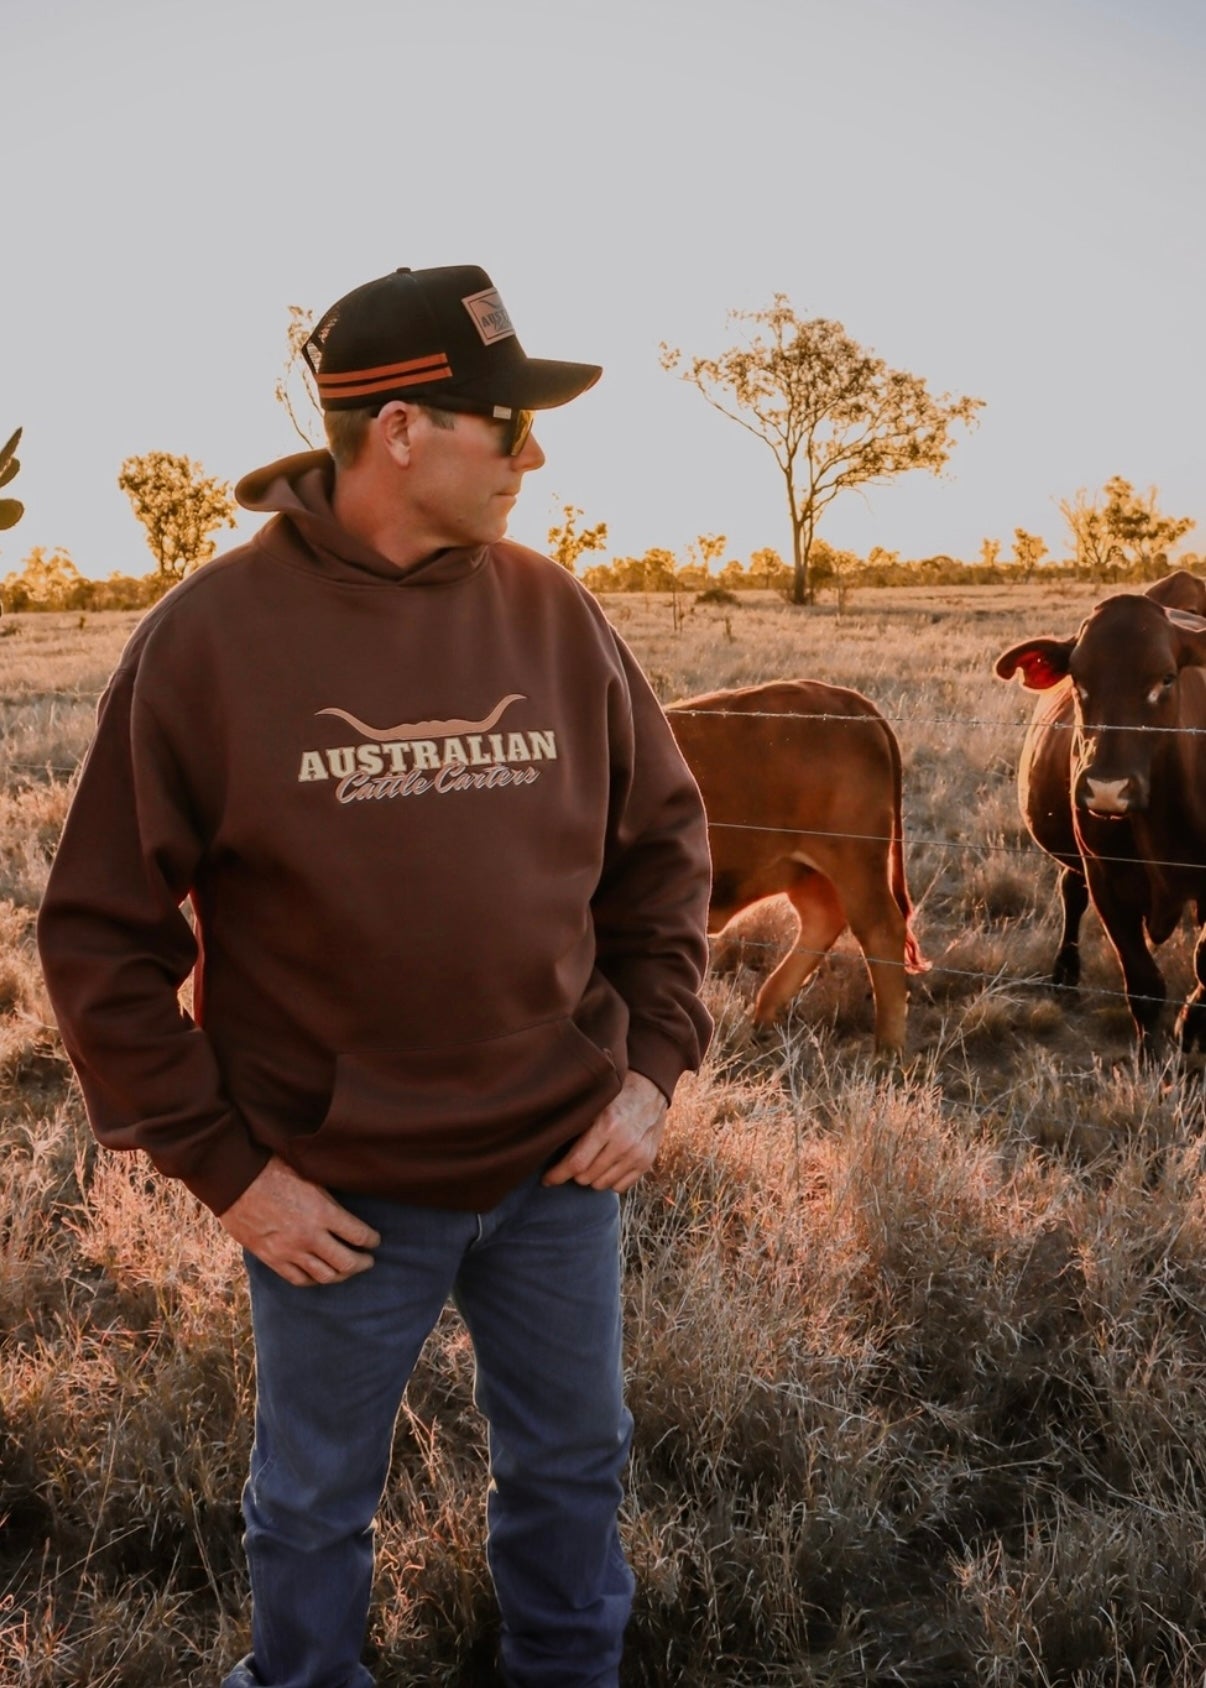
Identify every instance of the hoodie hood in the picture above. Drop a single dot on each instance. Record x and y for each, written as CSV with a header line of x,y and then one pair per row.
x,y
297,490
302,482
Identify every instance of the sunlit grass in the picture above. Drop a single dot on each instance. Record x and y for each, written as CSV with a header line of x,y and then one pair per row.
x,y
918,1362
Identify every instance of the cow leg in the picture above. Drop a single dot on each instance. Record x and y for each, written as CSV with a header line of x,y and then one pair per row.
x,y
1192,1021
1122,916
879,926
822,921
1074,895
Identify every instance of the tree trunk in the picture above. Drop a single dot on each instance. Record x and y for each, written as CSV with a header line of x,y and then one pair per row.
x,y
800,593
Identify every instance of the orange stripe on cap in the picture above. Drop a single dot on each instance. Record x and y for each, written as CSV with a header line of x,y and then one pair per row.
x,y
433,362
387,384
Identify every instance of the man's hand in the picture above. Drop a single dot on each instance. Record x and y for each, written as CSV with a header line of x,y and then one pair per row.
x,y
298,1229
621,1145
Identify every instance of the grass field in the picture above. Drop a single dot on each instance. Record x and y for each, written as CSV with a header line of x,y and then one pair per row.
x,y
917,1363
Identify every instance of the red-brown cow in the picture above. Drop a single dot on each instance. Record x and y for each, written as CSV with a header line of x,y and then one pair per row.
x,y
802,786
1111,782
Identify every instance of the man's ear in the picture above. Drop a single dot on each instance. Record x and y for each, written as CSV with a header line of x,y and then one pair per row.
x,y
393,423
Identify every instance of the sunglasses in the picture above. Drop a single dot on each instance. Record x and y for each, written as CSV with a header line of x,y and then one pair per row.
x,y
518,422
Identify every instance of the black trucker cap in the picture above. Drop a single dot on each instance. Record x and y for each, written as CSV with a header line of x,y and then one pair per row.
x,y
419,334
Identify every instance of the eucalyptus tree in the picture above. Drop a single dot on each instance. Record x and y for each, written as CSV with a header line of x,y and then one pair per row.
x,y
834,415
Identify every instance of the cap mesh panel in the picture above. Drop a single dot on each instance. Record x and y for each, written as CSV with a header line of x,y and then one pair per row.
x,y
312,350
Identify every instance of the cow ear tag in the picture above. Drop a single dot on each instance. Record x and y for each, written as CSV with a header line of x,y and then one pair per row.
x,y
1039,672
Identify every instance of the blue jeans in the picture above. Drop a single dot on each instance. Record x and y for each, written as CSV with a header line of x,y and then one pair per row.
x,y
536,1281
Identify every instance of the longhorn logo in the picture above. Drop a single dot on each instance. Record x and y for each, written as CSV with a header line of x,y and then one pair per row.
x,y
425,729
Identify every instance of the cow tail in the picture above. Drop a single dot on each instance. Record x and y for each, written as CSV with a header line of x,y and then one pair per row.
x,y
914,960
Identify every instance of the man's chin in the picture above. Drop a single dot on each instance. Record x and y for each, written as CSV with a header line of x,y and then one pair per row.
x,y
485,532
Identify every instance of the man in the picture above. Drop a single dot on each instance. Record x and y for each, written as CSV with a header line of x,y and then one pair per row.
x,y
449,876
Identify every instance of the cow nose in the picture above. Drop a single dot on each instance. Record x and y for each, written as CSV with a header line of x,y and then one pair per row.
x,y
1106,797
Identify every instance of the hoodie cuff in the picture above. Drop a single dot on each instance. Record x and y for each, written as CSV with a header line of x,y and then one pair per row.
x,y
218,1177
657,1058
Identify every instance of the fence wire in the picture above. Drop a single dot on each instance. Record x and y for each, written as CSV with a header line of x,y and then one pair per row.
x,y
984,846
938,969
918,720
912,840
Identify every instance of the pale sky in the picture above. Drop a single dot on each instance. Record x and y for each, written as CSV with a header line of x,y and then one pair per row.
x,y
1005,199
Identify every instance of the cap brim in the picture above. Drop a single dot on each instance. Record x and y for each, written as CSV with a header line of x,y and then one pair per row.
x,y
535,384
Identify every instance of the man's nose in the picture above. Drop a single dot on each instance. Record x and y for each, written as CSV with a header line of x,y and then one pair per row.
x,y
531,455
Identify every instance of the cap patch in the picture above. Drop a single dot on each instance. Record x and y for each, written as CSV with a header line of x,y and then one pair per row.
x,y
489,316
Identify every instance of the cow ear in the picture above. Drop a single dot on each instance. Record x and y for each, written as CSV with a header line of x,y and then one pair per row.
x,y
1191,638
1179,590
1043,663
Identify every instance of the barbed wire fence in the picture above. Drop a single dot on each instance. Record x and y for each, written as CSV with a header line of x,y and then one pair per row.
x,y
1049,721
1018,727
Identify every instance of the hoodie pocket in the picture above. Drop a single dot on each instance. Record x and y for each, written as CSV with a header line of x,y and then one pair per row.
x,y
411,1118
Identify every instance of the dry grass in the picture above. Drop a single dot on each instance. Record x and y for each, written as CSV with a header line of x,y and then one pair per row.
x,y
917,1365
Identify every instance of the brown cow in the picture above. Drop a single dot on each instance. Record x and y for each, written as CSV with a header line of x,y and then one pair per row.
x,y
1120,806
802,785
1045,779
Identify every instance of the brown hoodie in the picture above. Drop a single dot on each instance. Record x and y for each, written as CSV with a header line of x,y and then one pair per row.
x,y
448,869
